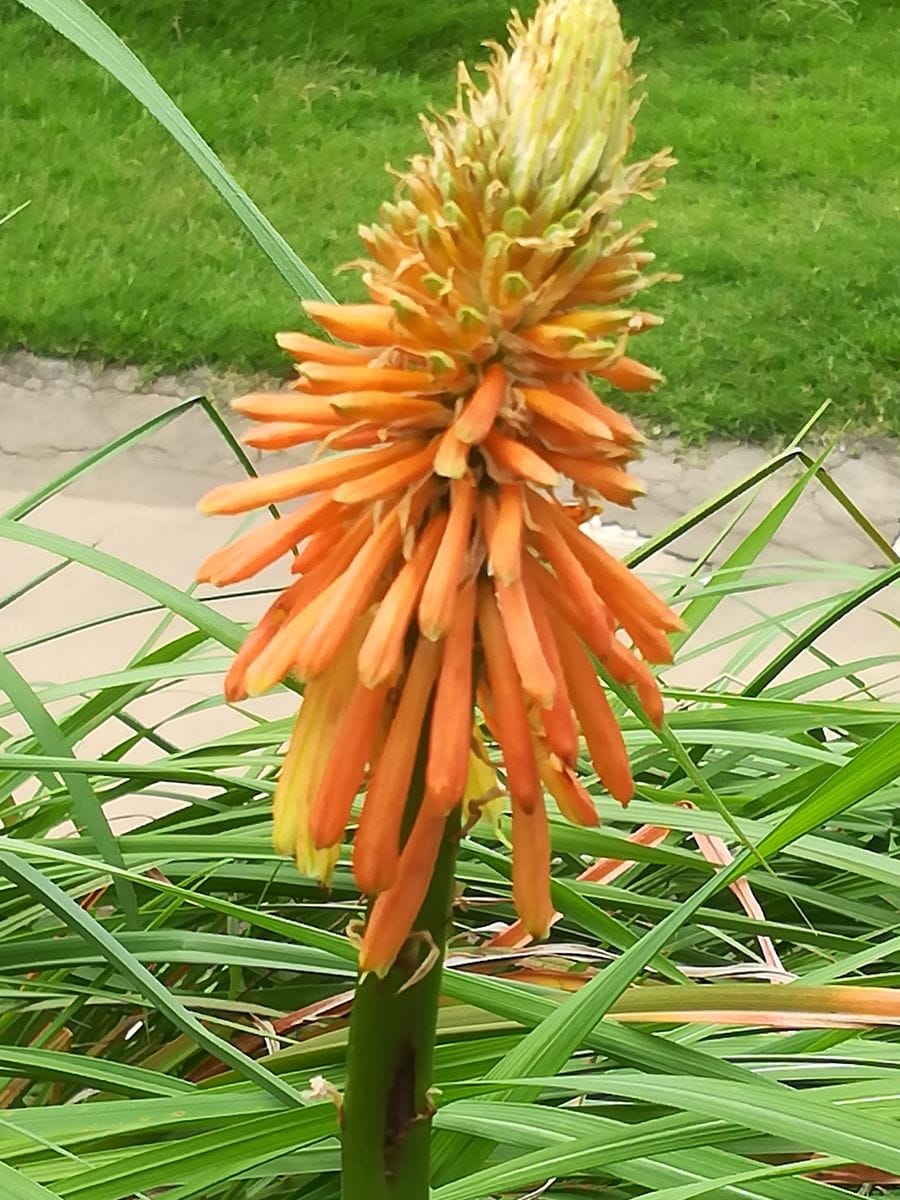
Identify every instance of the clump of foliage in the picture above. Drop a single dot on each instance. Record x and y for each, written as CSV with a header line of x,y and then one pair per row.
x,y
173,1001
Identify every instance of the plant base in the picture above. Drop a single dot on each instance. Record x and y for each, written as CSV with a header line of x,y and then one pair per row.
x,y
387,1109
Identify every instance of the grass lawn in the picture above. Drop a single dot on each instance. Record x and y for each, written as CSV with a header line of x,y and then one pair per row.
x,y
782,215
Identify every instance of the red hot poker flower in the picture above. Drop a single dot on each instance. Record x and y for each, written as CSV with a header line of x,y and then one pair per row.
x,y
437,561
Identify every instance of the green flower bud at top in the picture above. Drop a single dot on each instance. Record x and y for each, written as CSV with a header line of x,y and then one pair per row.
x,y
557,110
517,205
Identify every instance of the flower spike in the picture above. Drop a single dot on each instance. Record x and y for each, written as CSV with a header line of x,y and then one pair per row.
x,y
456,447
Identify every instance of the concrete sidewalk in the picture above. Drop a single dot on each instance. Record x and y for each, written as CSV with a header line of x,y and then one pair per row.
x,y
53,413
141,507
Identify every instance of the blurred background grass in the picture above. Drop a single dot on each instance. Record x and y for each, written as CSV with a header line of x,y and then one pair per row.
x,y
782,214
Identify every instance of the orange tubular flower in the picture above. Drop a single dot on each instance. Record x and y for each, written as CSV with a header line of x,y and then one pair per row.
x,y
457,446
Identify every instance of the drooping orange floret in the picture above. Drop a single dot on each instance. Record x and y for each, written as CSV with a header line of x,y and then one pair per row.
x,y
395,909
381,656
439,595
508,715
451,719
376,848
480,411
457,446
304,348
531,867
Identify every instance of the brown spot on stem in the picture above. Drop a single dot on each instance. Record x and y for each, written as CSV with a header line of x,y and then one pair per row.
x,y
400,1105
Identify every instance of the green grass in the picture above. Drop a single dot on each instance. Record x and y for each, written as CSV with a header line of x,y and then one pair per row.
x,y
781,216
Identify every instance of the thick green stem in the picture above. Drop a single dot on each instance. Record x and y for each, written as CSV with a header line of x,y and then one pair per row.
x,y
387,1109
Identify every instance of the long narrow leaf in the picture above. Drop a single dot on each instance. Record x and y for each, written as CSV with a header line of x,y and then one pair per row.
x,y
796,647
90,1072
86,808
201,616
82,923
29,503
204,1159
77,22
744,554
553,1041
17,1186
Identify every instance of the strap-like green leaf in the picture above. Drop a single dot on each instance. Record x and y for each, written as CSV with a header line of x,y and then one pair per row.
x,y
86,808
46,892
17,1186
90,1072
77,22
201,616
29,503
552,1042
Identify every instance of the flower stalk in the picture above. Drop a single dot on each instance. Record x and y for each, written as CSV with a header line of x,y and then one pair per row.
x,y
387,1108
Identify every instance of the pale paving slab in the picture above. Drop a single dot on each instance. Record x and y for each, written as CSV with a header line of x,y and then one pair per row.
x,y
53,412
141,507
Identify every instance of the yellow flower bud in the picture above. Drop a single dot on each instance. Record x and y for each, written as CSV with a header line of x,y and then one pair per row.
x,y
556,111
